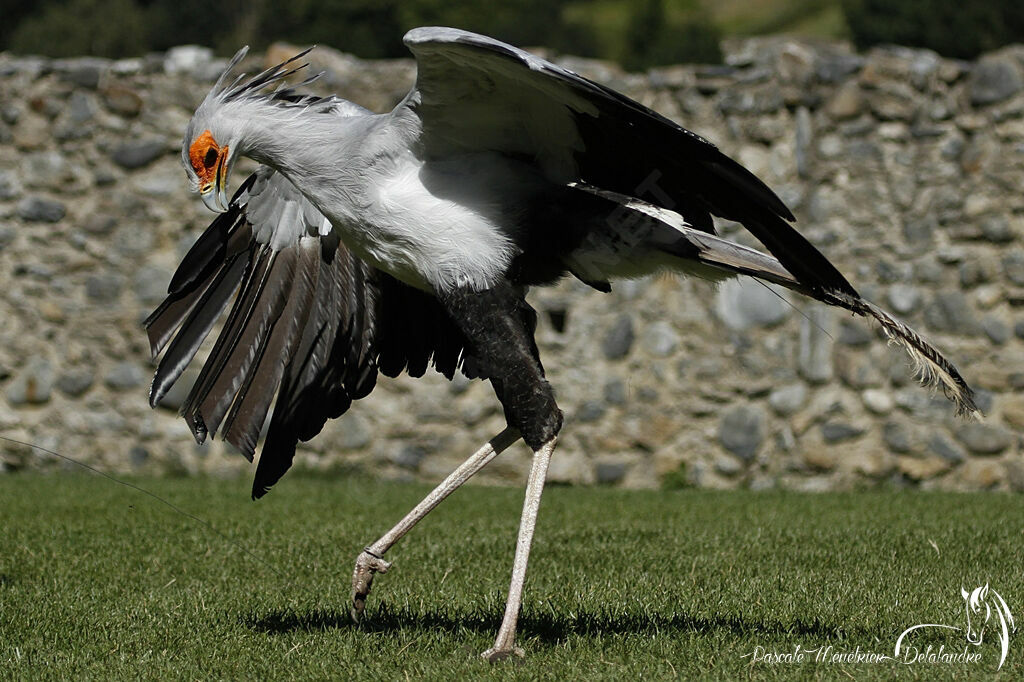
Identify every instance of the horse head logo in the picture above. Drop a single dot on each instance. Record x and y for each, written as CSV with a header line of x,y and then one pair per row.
x,y
981,603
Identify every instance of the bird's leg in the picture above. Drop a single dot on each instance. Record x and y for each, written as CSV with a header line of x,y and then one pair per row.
x,y
371,560
504,643
498,325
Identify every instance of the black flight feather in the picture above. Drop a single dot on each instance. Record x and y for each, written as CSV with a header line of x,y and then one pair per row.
x,y
244,422
311,324
168,316
196,328
252,281
264,309
210,249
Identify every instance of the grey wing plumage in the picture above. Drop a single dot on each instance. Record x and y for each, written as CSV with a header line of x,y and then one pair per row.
x,y
311,324
475,93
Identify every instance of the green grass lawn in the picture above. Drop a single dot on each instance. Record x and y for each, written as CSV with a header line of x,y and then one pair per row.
x,y
97,580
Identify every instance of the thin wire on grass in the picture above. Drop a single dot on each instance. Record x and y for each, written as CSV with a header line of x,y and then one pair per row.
x,y
202,522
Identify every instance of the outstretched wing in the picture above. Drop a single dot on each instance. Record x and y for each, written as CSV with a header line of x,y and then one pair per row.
x,y
475,93
311,323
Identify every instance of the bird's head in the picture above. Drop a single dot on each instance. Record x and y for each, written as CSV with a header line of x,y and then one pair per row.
x,y
216,134
207,162
209,142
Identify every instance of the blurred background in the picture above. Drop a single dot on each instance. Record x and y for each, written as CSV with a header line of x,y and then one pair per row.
x,y
894,130
635,33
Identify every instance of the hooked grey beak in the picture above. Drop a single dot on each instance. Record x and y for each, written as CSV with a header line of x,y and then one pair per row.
x,y
215,198
214,194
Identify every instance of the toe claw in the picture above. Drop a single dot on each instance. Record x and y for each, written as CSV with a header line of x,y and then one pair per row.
x,y
494,654
367,565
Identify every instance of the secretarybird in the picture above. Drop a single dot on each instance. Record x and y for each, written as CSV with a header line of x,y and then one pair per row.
x,y
369,244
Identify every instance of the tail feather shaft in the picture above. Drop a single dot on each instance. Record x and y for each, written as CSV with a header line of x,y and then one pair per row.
x,y
933,369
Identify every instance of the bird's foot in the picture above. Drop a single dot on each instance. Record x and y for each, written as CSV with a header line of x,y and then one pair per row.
x,y
494,654
362,580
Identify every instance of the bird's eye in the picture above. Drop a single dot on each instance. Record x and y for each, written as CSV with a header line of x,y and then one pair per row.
x,y
210,158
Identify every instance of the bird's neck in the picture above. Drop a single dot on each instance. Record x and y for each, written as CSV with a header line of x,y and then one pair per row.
x,y
287,139
314,150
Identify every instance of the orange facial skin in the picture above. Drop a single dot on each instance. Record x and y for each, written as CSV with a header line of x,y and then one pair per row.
x,y
206,157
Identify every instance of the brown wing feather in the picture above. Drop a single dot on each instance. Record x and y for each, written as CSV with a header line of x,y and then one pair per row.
x,y
244,421
311,325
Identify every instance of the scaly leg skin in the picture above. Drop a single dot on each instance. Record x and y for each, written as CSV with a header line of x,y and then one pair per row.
x,y
367,564
371,560
504,644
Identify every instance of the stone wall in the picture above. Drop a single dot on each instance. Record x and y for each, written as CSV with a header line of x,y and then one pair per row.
x,y
905,168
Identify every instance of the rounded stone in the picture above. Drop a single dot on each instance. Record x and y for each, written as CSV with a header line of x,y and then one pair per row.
x,y
151,284
896,436
615,392
646,394
82,71
187,59
75,382
590,411
814,358
408,457
99,224
123,376
985,439
728,466
138,455
950,312
1013,267
878,401
608,473
946,448
994,80
103,288
904,298
7,235
41,210
10,185
33,385
847,102
980,474
786,400
138,153
743,303
619,339
44,169
660,339
81,108
854,333
356,432
1013,411
922,469
997,229
569,467
1015,475
741,431
122,101
837,432
996,330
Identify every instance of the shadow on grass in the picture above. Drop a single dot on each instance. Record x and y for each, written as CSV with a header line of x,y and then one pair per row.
x,y
551,628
